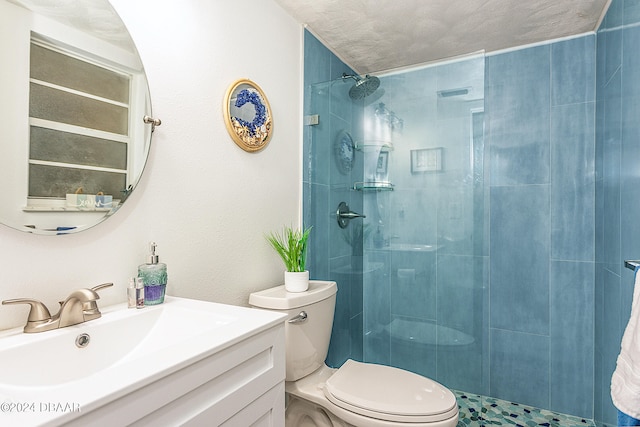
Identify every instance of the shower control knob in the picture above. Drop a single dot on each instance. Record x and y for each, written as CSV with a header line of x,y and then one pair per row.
x,y
344,215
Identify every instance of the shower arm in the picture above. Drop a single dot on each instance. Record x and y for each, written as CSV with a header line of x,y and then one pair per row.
x,y
346,76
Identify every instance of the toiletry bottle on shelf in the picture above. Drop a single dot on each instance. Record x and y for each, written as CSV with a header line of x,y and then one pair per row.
x,y
154,275
139,293
131,293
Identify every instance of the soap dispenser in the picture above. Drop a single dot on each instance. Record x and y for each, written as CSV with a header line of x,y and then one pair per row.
x,y
154,276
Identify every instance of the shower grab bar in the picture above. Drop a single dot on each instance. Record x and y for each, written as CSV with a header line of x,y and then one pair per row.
x,y
632,264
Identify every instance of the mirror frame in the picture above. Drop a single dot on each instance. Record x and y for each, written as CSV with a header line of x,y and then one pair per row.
x,y
59,33
250,136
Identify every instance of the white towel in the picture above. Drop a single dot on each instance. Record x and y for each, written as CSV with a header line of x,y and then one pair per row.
x,y
625,382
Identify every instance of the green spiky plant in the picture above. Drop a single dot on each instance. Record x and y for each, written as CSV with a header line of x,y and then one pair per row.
x,y
291,245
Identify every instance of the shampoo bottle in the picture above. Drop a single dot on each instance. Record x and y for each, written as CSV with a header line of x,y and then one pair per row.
x,y
139,293
131,293
154,276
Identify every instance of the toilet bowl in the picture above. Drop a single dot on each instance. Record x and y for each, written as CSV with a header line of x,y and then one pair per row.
x,y
356,394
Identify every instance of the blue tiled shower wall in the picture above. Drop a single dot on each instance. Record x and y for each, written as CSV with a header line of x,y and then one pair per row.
x,y
617,188
561,208
540,128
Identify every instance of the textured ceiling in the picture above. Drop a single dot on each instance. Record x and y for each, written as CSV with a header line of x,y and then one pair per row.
x,y
380,35
95,17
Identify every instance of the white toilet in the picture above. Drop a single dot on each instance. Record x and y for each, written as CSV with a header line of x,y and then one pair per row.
x,y
356,394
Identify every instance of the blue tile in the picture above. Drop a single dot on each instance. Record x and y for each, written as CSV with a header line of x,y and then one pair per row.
x,y
611,152
518,95
600,388
356,337
460,367
414,218
601,385
462,306
377,294
520,252
572,328
340,238
520,367
630,179
315,199
461,218
462,282
601,64
627,285
342,106
413,277
630,62
316,60
357,294
572,182
599,183
410,354
612,337
341,333
611,57
573,69
631,12
614,16
318,153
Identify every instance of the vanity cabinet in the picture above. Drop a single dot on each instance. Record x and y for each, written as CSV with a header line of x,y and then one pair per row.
x,y
241,385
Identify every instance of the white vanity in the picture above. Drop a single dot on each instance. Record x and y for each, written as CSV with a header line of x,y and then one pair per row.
x,y
184,362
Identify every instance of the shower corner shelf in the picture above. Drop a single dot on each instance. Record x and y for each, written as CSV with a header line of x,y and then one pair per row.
x,y
373,186
382,145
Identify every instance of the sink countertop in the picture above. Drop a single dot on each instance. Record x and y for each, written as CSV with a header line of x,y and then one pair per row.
x,y
182,331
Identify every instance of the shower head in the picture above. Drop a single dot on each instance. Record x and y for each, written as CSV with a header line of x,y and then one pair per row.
x,y
363,87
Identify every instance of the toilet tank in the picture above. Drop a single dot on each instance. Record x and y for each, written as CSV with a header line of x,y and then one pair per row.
x,y
307,339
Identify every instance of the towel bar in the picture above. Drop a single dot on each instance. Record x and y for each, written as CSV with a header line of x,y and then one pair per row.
x,y
632,264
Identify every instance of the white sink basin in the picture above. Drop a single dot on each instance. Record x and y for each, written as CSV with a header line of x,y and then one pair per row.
x,y
128,348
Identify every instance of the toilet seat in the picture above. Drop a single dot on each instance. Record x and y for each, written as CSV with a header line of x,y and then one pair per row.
x,y
389,394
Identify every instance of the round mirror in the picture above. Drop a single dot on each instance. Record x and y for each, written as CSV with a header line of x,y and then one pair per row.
x,y
75,116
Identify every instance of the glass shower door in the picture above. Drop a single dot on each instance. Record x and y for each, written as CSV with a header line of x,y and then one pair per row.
x,y
412,276
424,293
331,167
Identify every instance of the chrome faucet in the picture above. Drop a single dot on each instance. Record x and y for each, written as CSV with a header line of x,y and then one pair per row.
x,y
79,307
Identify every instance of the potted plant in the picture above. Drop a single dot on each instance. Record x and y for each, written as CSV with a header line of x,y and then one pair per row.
x,y
291,245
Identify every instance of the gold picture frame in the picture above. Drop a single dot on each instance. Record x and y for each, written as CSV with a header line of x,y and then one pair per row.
x,y
247,115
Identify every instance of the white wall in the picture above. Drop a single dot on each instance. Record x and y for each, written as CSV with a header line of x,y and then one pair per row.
x,y
204,201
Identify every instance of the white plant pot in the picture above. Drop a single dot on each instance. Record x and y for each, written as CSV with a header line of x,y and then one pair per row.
x,y
296,281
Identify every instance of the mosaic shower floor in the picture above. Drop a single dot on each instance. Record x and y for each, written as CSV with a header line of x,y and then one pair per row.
x,y
477,411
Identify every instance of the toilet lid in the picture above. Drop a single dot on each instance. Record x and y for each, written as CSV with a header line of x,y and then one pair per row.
x,y
388,393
